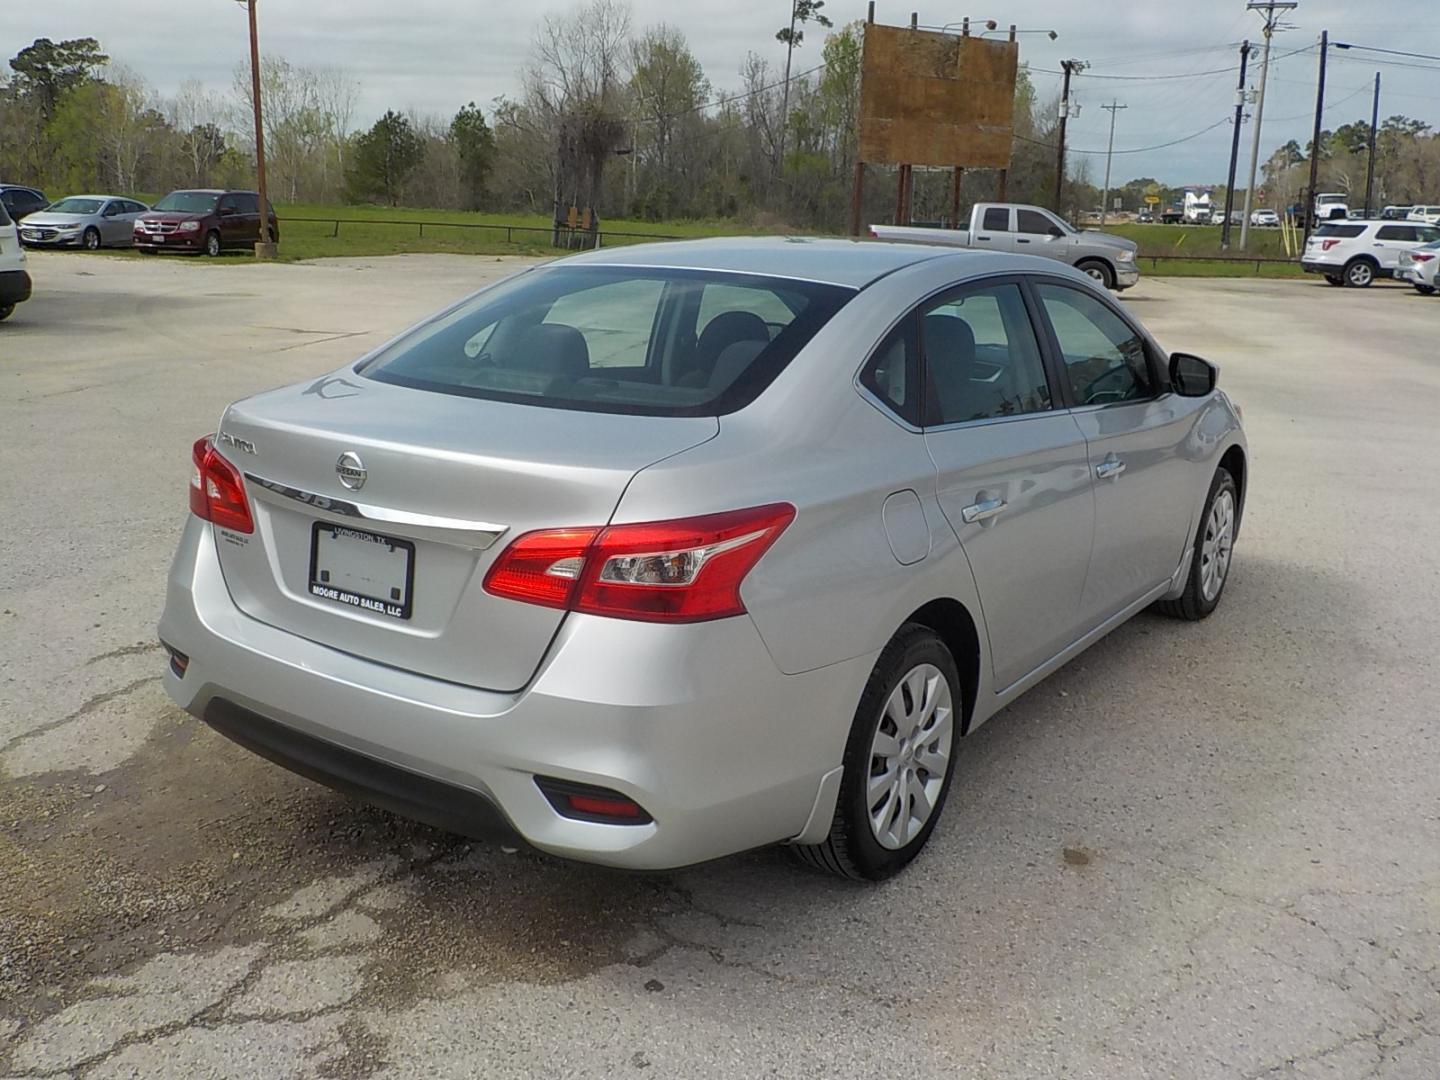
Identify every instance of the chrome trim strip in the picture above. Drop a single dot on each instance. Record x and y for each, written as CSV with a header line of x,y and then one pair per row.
x,y
480,534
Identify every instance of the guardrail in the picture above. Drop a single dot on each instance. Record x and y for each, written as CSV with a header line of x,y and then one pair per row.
x,y
579,238
1258,261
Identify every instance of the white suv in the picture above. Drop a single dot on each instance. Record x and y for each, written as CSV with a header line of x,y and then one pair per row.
x,y
14,279
1357,252
1430,215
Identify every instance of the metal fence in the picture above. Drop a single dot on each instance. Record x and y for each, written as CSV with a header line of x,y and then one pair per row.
x,y
559,236
1257,262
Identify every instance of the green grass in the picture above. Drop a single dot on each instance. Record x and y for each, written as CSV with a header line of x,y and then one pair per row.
x,y
309,231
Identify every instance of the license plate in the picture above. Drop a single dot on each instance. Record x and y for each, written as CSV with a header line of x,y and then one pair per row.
x,y
157,239
362,569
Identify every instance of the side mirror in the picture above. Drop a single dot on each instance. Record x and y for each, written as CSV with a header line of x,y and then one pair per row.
x,y
1191,376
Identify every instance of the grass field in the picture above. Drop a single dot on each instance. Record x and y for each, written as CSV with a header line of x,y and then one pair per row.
x,y
314,231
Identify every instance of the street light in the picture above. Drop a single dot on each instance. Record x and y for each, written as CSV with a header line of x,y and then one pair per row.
x,y
266,248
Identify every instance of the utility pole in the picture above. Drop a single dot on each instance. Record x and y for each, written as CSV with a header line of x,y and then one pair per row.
x,y
785,94
1113,108
1315,139
1370,168
265,249
1070,67
1235,148
1268,7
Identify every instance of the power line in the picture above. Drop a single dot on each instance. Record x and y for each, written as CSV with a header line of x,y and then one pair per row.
x,y
1136,149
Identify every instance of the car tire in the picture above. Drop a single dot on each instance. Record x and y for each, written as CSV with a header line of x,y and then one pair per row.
x,y
1210,561
875,831
1425,290
1334,279
1097,270
91,240
6,310
212,244
1359,273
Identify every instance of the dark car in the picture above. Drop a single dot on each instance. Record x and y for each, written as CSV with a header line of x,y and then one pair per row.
x,y
207,221
20,200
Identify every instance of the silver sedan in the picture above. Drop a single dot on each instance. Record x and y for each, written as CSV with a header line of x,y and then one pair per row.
x,y
658,554
88,221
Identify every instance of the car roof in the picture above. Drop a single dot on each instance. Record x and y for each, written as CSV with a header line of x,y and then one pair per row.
x,y
827,260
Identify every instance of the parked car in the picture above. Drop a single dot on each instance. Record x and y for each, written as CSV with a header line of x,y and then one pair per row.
x,y
207,221
1429,215
1031,230
1357,252
1418,266
1395,213
21,201
1264,219
14,278
88,221
661,553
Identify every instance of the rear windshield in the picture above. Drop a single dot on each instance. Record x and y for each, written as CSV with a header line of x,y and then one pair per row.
x,y
188,202
654,342
1346,232
75,206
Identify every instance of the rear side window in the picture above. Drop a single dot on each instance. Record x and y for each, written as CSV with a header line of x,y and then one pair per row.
x,y
982,359
997,218
656,342
1342,232
893,373
1396,232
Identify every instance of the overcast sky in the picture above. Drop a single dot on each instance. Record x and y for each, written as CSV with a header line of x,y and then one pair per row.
x,y
435,55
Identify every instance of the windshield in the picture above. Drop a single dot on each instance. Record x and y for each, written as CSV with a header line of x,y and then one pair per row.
x,y
188,202
1323,199
654,342
75,206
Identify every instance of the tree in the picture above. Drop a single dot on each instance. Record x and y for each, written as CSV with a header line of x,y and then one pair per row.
x,y
669,87
383,158
801,12
474,145
46,69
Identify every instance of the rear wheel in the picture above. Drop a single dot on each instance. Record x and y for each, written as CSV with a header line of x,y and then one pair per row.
x,y
6,310
1359,273
91,239
1097,270
1214,543
898,761
212,244
1425,290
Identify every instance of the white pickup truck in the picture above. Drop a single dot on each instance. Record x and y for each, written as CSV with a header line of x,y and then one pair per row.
x,y
1031,230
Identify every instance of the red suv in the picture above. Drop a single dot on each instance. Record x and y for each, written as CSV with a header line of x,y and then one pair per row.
x,y
206,221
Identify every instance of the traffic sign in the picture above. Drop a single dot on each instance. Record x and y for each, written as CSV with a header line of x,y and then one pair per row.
x,y
1153,200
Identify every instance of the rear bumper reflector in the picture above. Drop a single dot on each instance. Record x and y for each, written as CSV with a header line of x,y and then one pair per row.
x,y
585,802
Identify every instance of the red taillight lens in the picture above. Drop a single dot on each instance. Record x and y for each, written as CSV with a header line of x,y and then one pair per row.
x,y
1420,256
688,570
217,494
1326,245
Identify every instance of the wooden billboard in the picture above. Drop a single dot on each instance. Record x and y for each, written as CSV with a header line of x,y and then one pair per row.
x,y
936,99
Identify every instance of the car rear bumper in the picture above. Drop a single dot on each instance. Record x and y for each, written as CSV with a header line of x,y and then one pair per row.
x,y
1320,267
695,723
14,287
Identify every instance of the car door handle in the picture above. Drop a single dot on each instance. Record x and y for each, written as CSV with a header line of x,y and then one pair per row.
x,y
983,510
1110,468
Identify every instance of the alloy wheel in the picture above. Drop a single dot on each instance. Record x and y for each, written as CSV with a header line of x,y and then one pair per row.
x,y
910,756
1215,548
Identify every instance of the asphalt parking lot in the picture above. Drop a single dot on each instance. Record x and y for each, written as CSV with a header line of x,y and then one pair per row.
x,y
1207,850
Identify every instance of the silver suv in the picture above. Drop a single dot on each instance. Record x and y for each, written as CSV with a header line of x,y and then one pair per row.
x,y
1355,253
670,551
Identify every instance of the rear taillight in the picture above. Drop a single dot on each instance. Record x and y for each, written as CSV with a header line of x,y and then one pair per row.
x,y
1326,245
1421,256
217,494
688,570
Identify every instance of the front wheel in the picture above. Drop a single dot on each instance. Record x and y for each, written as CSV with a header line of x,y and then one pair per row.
x,y
1210,561
1097,270
1359,273
91,239
6,310
212,244
1425,290
898,761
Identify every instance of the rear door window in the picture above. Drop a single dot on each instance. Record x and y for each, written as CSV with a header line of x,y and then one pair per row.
x,y
660,342
997,219
982,359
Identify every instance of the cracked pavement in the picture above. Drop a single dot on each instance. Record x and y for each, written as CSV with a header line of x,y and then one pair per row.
x,y
1198,851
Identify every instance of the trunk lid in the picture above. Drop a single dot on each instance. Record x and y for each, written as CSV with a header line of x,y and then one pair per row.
x,y
453,480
